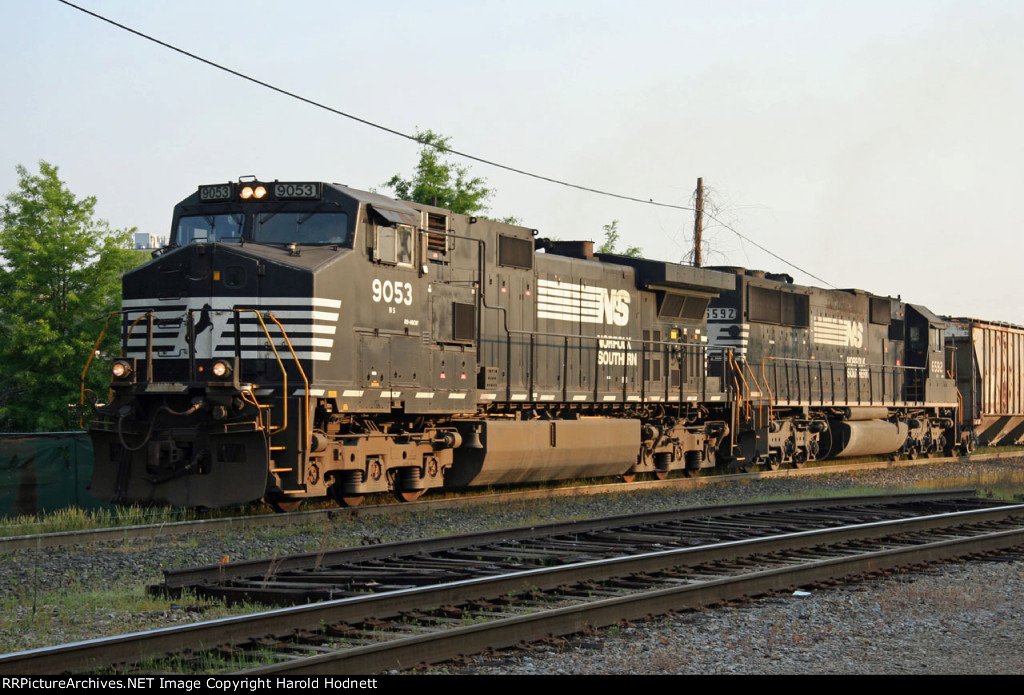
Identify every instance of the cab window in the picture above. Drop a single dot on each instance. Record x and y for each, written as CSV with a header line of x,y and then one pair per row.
x,y
301,228
394,245
209,228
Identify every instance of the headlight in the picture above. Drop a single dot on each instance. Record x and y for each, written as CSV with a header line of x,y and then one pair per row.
x,y
250,192
221,370
121,369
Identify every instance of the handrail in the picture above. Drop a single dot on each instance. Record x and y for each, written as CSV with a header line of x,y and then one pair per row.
x,y
767,387
284,371
871,371
131,328
743,393
88,364
305,381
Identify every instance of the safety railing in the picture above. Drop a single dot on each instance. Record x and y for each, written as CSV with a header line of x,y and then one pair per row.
x,y
627,360
824,383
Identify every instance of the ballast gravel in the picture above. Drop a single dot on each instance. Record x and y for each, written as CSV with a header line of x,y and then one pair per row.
x,y
955,618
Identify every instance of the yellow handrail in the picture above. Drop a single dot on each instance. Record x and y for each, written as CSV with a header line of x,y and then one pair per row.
x,y
768,388
745,393
284,372
302,373
88,363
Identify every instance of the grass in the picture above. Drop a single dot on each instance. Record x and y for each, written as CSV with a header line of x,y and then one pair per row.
x,y
76,519
30,619
993,483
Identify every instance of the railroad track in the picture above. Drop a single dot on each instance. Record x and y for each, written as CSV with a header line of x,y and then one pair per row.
x,y
326,575
190,528
405,627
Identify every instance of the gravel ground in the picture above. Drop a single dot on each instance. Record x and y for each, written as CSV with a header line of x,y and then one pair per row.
x,y
957,619
952,619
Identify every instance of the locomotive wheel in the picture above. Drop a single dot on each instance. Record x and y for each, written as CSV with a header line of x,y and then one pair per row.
x,y
283,506
628,477
341,499
772,464
691,472
408,495
660,475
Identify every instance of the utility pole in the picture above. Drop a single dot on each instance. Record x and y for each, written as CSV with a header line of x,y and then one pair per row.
x,y
698,222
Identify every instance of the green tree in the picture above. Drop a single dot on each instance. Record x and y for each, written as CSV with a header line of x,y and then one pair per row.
x,y
611,241
438,181
60,272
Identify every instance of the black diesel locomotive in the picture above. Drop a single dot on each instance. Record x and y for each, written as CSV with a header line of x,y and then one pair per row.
x,y
306,339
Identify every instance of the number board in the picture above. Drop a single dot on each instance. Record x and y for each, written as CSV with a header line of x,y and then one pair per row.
x,y
301,191
212,194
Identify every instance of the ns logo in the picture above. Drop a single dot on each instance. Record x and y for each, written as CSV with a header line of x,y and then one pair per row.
x,y
580,303
615,305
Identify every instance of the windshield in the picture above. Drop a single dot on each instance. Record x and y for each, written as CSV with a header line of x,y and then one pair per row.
x,y
301,228
209,228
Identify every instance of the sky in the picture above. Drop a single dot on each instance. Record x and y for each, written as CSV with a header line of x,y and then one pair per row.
x,y
876,145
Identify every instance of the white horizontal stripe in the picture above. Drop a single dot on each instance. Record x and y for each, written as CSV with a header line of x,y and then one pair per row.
x,y
286,356
249,342
312,392
488,396
390,394
570,317
547,397
578,397
565,301
247,317
425,394
566,289
456,396
519,396
610,398
351,393
231,302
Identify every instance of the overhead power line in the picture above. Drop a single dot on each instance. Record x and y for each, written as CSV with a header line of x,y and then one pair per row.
x,y
407,136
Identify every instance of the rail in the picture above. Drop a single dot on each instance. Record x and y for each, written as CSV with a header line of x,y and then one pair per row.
x,y
376,629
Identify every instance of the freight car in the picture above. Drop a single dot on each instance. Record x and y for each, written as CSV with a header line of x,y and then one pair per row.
x,y
307,339
990,378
